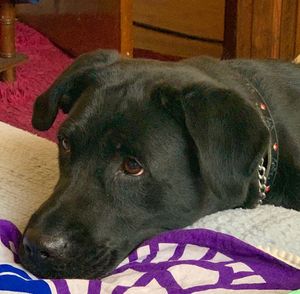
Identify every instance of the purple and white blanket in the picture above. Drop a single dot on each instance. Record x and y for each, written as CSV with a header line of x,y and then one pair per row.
x,y
182,261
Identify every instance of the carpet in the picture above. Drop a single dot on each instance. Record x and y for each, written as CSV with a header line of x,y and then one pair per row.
x,y
45,63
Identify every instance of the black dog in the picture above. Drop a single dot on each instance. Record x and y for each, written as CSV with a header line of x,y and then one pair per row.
x,y
151,146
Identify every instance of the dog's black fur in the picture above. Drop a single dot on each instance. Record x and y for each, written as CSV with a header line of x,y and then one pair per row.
x,y
192,128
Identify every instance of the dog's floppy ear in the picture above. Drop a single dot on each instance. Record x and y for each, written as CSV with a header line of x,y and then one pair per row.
x,y
229,135
68,87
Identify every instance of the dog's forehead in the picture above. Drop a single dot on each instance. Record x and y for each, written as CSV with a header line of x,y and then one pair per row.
x,y
109,112
137,75
120,97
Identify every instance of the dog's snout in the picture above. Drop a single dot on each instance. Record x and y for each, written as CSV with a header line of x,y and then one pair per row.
x,y
38,246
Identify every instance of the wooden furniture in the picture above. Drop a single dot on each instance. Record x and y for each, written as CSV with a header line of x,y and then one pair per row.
x,y
262,29
171,27
9,59
179,27
219,28
78,26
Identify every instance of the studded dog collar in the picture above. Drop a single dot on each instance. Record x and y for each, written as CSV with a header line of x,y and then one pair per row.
x,y
267,168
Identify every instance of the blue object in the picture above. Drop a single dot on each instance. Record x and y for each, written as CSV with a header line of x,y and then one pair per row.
x,y
17,280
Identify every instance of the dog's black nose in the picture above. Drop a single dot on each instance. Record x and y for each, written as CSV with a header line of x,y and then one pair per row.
x,y
39,246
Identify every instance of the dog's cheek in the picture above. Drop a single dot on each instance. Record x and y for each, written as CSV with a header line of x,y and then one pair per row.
x,y
150,194
153,197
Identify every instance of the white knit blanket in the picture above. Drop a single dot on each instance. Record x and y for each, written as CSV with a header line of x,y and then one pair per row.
x,y
29,171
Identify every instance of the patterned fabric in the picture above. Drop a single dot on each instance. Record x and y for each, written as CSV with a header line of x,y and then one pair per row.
x,y
182,261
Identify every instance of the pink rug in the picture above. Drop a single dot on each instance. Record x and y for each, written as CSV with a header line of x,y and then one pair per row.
x,y
45,63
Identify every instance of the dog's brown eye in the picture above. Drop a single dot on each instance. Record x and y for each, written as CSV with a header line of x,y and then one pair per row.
x,y
131,166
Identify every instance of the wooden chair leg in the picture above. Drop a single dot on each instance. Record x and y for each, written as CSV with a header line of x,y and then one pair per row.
x,y
9,75
7,43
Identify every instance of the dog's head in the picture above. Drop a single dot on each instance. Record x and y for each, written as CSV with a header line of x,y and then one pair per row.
x,y
147,147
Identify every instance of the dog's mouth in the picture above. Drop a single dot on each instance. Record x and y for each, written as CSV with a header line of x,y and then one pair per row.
x,y
87,264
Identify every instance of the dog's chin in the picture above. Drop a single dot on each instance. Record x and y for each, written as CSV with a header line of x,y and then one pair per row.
x,y
74,268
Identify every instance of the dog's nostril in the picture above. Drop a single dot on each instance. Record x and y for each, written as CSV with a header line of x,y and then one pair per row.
x,y
32,245
28,246
27,249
